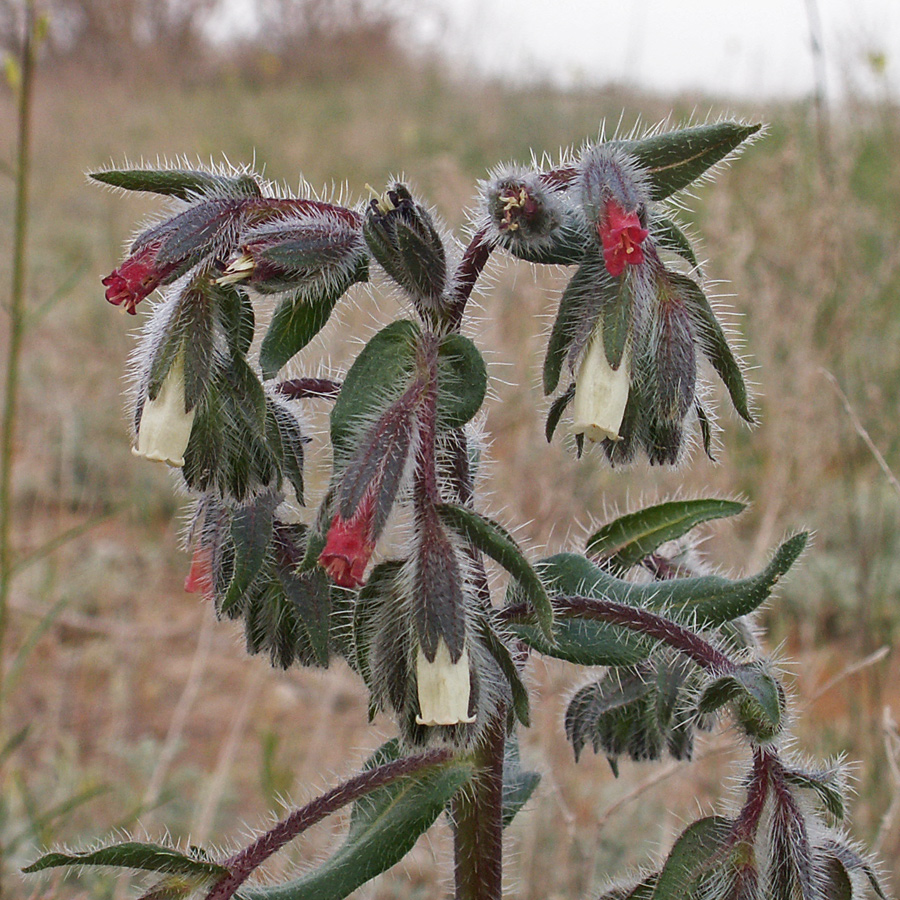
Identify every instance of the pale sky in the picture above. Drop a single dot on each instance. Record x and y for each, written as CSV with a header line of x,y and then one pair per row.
x,y
739,48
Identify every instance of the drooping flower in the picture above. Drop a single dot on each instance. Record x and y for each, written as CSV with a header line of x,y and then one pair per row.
x,y
622,236
165,425
444,687
138,276
601,392
349,545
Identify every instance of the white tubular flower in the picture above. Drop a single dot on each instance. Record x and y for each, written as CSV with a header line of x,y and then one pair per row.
x,y
165,427
601,392
443,688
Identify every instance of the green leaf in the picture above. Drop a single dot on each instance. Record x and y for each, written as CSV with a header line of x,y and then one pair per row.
x,y
757,695
589,288
462,381
503,658
133,855
376,378
714,343
670,237
586,642
298,319
518,785
235,311
633,537
691,857
181,183
499,545
251,532
676,158
384,827
311,598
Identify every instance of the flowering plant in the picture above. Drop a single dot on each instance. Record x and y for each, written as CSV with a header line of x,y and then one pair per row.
x,y
418,618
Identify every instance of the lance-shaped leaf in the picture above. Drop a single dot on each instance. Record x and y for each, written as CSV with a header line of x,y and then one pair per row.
x,y
616,316
310,596
627,540
251,532
854,862
669,236
518,785
714,343
384,827
134,855
499,545
235,312
691,858
381,591
184,184
581,301
285,437
672,160
498,649
462,381
298,319
377,377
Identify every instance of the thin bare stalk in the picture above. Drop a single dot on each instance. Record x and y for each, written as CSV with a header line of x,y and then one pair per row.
x,y
16,311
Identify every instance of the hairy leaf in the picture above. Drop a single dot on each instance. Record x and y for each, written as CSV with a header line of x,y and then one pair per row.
x,y
184,184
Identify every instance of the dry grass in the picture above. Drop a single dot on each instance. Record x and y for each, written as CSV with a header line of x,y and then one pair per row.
x,y
133,687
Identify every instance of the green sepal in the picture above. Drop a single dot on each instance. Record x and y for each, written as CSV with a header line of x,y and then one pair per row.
x,y
184,184
462,381
504,660
672,160
557,408
757,695
381,588
714,343
235,311
135,855
691,858
582,299
310,595
376,378
423,256
384,827
495,541
567,246
285,437
518,784
251,534
669,236
627,540
825,784
298,319
616,316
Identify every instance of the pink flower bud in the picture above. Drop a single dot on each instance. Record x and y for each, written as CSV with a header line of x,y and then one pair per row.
x,y
349,545
443,687
137,277
622,236
601,392
165,426
200,577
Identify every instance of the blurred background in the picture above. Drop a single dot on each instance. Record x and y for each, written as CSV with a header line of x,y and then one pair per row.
x,y
136,711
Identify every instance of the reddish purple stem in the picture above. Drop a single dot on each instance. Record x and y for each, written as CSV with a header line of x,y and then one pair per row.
x,y
298,388
242,864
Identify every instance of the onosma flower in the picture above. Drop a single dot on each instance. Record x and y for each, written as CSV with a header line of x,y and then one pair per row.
x,y
443,687
165,426
601,392
622,236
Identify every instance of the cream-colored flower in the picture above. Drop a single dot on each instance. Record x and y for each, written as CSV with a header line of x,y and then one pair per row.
x,y
165,427
444,688
601,392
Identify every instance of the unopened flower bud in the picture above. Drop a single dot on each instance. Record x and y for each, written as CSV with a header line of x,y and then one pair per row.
x,y
443,687
601,392
165,425
349,545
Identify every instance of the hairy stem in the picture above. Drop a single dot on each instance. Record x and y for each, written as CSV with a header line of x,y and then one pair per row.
x,y
242,864
470,268
478,821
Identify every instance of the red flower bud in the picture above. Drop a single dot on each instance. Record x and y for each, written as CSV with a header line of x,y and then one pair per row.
x,y
349,545
200,578
137,277
622,236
